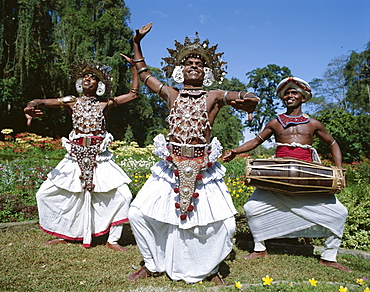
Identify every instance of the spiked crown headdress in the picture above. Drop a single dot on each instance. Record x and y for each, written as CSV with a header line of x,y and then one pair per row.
x,y
208,54
96,68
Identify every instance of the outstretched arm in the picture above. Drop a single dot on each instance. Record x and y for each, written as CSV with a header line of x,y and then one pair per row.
x,y
122,99
249,145
32,110
144,74
246,101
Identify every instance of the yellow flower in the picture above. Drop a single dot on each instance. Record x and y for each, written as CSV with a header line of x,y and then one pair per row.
x,y
367,289
200,282
6,131
267,280
360,281
238,285
313,282
343,289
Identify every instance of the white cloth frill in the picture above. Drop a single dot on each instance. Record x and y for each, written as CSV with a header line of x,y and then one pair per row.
x,y
107,174
157,198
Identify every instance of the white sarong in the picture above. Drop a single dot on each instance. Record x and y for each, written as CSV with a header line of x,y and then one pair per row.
x,y
275,215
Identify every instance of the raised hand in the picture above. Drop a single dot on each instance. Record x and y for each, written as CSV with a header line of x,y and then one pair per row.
x,y
128,59
247,104
32,112
140,34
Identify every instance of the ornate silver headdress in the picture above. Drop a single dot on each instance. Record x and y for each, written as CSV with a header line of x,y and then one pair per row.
x,y
101,71
196,49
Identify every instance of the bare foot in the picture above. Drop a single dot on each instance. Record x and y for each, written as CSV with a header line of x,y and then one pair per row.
x,y
140,274
256,255
115,246
56,241
218,280
334,265
215,278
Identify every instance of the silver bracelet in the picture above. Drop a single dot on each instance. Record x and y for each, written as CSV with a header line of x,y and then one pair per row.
x,y
137,61
146,78
160,88
142,70
224,97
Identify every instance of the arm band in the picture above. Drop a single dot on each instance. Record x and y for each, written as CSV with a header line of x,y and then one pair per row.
x,y
224,97
66,99
146,78
160,88
332,144
259,136
142,70
139,60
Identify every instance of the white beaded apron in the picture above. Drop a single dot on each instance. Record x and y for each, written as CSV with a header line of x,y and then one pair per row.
x,y
188,121
87,118
89,121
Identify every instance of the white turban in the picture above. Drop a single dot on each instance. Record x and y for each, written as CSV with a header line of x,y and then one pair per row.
x,y
293,82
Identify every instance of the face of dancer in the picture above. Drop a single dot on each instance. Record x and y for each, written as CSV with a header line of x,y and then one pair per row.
x,y
193,71
90,83
293,98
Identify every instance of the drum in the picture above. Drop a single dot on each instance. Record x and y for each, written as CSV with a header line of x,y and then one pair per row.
x,y
293,176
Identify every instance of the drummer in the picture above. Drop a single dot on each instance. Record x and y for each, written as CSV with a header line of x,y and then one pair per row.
x,y
276,215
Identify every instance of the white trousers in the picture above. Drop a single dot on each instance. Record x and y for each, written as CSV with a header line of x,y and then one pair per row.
x,y
184,254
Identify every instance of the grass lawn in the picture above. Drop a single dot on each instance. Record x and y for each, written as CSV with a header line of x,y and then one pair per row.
x,y
28,265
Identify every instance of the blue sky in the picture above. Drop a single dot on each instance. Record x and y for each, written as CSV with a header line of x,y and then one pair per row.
x,y
304,35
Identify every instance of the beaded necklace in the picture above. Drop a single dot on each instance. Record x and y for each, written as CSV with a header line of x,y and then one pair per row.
x,y
87,115
188,118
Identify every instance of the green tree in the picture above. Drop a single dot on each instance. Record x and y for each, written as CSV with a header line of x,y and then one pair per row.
x,y
331,90
357,74
228,126
40,40
25,52
264,82
351,132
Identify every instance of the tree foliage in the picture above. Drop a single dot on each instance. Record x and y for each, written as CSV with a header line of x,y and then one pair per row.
x,y
345,84
351,132
40,40
228,126
264,82
357,74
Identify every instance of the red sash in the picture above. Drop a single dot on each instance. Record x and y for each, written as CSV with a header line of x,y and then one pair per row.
x,y
294,152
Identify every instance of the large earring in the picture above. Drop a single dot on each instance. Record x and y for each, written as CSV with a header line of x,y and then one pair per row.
x,y
78,85
208,77
101,89
178,74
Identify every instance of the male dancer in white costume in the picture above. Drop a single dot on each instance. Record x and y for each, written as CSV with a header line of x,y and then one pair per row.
x,y
86,195
183,217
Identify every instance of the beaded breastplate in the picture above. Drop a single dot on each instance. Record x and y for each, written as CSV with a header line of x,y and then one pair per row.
x,y
188,119
87,116
286,120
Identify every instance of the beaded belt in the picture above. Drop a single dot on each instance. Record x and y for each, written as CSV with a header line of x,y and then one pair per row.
x,y
87,141
189,151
